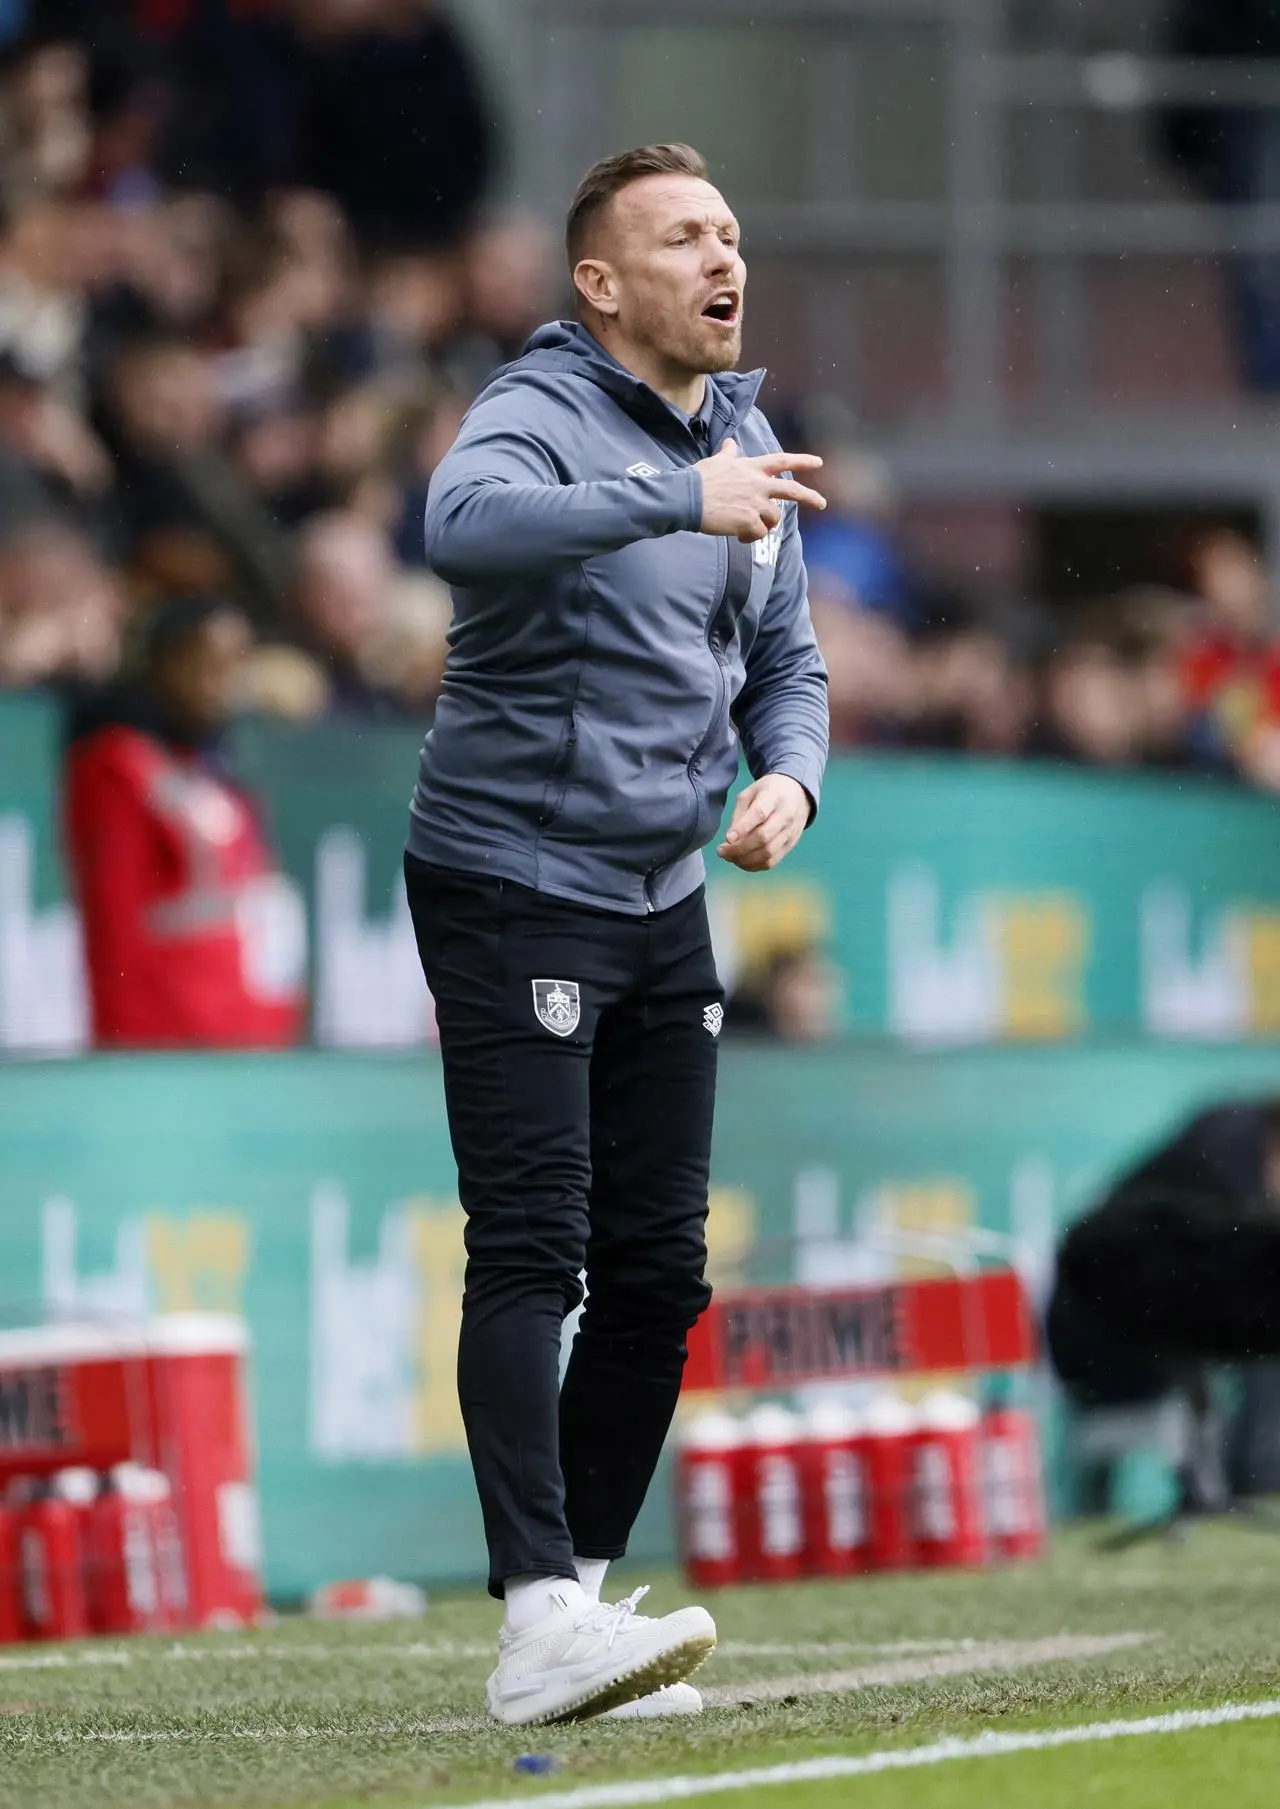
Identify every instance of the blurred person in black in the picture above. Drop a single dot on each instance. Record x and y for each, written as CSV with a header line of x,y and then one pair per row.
x,y
61,609
46,128
792,996
1088,706
167,276
971,682
187,519
511,284
51,462
206,90
343,607
1232,154
392,118
1177,1267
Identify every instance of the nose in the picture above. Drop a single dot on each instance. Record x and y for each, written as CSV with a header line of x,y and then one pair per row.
x,y
722,259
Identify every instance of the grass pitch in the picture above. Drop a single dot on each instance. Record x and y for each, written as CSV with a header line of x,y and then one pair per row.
x,y
389,1717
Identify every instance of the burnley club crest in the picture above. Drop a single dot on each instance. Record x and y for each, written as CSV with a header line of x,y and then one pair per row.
x,y
557,1005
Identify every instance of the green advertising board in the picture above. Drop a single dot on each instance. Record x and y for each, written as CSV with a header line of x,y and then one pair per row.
x,y
962,901
42,1006
314,1194
971,901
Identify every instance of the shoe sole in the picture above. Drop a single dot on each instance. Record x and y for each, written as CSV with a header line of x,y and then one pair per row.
x,y
671,1666
654,1714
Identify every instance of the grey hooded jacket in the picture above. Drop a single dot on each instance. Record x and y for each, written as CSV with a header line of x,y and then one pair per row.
x,y
605,657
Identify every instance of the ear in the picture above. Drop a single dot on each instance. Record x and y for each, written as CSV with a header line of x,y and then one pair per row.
x,y
597,285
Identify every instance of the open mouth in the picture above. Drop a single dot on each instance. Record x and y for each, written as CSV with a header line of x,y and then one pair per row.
x,y
723,309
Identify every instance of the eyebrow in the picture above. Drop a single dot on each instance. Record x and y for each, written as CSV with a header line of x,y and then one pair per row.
x,y
699,223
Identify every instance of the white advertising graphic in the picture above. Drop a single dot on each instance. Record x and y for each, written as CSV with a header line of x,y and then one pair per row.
x,y
43,1000
369,990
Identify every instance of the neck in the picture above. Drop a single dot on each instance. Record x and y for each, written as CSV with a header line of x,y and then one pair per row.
x,y
675,383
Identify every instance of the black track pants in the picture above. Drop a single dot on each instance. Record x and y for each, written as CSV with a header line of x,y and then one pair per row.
x,y
579,1051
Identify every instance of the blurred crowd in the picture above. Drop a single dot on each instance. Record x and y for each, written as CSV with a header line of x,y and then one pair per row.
x,y
250,277
1180,674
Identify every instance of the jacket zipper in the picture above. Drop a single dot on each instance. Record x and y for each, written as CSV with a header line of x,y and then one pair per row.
x,y
722,688
717,656
558,782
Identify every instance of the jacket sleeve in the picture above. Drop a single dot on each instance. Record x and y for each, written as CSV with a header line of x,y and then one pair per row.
x,y
497,505
781,711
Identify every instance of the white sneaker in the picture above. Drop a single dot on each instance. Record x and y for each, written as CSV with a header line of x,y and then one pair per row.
x,y
675,1699
584,1660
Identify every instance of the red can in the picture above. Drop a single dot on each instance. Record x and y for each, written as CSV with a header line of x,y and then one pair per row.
x,y
11,1627
170,1553
52,1566
835,1493
772,1517
946,1477
1013,1483
197,1366
884,1446
708,1516
126,1596
78,1487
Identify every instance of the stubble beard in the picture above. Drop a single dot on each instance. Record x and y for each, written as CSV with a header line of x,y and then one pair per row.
x,y
709,350
693,346
722,356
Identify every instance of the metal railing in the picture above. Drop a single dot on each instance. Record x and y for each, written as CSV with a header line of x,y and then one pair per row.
x,y
974,229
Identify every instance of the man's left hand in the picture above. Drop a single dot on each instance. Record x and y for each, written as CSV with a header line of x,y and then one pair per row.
x,y
768,820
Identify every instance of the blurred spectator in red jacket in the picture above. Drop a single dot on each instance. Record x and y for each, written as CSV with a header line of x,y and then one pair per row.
x,y
1230,664
192,938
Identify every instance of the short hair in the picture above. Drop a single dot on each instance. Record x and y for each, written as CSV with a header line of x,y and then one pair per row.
x,y
611,175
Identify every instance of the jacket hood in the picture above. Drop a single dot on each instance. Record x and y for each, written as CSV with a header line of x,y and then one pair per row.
x,y
567,347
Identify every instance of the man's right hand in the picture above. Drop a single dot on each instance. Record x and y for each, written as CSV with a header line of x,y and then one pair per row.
x,y
744,497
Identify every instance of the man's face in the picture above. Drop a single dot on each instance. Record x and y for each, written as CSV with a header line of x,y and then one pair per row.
x,y
669,274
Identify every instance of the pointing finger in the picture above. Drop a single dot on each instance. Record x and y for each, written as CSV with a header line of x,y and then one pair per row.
x,y
728,450
773,462
783,488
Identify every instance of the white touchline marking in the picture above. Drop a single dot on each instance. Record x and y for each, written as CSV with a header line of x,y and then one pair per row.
x,y
817,1648
445,1651
1008,1655
997,1655
942,1752
60,1661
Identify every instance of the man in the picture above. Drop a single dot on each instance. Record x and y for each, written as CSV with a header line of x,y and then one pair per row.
x,y
192,938
1232,155
1177,1268
629,608
1179,1263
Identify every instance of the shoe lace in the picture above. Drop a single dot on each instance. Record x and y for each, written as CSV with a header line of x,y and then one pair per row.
x,y
613,1617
